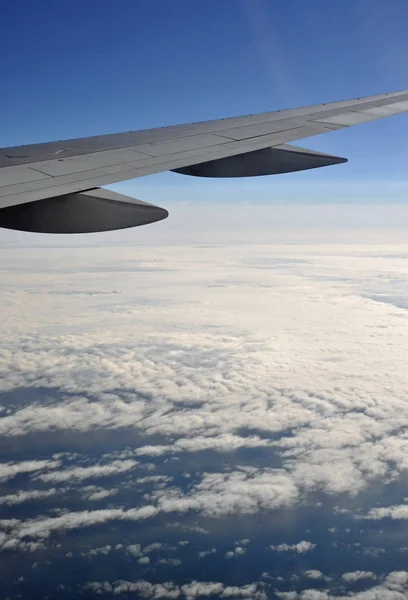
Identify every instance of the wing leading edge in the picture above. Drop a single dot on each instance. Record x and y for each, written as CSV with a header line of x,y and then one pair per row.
x,y
235,147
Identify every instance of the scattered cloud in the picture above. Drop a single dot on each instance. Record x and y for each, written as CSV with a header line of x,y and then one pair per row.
x,y
43,527
154,547
77,474
300,547
95,493
353,576
246,490
29,495
393,587
134,550
15,545
398,512
102,551
174,562
205,553
237,551
313,574
195,589
10,470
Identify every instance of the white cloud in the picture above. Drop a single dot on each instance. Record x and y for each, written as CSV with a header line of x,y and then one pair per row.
x,y
10,470
15,545
169,561
237,551
394,587
314,595
250,590
398,512
301,547
243,491
154,547
94,493
208,552
76,474
101,551
397,580
313,574
152,478
169,590
353,576
43,527
295,369
134,550
197,588
26,496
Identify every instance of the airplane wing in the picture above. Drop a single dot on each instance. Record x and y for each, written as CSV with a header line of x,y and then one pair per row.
x,y
55,187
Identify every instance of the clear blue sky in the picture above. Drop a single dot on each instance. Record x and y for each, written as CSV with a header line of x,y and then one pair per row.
x,y
72,68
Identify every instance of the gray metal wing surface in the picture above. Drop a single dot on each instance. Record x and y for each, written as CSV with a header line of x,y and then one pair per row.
x,y
73,167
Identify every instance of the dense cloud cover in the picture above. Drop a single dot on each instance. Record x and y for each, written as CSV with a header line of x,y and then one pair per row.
x,y
225,420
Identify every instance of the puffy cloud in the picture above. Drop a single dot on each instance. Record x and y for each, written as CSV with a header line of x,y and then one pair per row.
x,y
208,552
397,580
241,383
300,547
353,576
154,547
134,550
102,551
201,588
238,551
393,587
314,595
8,542
206,389
190,591
243,491
313,574
388,512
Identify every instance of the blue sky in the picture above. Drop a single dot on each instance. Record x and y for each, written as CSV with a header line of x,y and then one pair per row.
x,y
83,68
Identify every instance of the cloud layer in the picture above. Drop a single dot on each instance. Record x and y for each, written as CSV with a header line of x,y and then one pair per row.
x,y
203,388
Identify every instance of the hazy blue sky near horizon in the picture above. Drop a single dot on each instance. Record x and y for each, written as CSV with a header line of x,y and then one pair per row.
x,y
79,68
